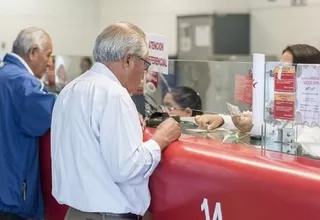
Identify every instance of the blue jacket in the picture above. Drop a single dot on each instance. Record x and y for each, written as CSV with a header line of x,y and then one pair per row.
x,y
25,114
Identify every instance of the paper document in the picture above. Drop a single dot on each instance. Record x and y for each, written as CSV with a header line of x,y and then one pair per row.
x,y
233,110
188,119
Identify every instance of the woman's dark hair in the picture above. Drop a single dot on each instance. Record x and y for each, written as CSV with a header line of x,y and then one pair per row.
x,y
88,60
186,97
303,53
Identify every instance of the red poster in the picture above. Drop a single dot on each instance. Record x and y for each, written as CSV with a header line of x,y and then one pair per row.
x,y
283,106
151,83
284,79
152,80
243,89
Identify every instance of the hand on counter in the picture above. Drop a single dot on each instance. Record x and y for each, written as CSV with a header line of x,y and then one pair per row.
x,y
167,132
243,122
209,122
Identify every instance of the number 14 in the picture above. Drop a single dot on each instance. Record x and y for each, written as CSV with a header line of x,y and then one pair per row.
x,y
217,214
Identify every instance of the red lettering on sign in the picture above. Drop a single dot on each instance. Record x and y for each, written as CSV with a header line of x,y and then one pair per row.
x,y
156,46
158,61
283,107
286,83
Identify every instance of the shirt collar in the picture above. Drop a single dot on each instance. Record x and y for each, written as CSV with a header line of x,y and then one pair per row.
x,y
22,61
101,68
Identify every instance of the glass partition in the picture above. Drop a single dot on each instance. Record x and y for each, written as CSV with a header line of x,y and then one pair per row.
x,y
291,100
292,108
217,85
215,82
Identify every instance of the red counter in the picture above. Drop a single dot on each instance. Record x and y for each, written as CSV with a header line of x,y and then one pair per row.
x,y
198,177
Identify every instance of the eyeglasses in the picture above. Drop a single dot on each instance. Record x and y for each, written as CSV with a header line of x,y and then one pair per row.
x,y
147,64
170,108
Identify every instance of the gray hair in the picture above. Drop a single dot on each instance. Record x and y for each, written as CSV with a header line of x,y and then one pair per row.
x,y
29,38
118,39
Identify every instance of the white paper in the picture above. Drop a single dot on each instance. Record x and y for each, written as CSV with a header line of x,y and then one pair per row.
x,y
188,119
203,36
308,95
158,53
258,72
233,110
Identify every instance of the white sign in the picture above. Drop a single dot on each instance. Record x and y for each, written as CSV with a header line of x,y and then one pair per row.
x,y
158,53
203,36
308,95
217,213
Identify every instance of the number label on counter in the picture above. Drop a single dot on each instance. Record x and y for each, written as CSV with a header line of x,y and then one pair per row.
x,y
217,214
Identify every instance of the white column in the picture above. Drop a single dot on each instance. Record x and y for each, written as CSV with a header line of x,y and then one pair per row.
x,y
258,94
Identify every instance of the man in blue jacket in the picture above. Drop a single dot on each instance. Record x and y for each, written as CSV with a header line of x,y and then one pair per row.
x,y
25,115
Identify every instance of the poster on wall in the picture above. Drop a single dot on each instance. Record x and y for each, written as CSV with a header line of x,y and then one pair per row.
x,y
308,95
243,89
203,36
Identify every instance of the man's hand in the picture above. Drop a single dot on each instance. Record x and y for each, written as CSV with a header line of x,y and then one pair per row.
x,y
167,132
142,122
209,122
243,123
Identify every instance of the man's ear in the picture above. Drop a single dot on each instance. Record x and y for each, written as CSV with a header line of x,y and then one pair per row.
x,y
32,52
127,60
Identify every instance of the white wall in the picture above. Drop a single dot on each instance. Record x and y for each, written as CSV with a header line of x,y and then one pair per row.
x,y
72,24
160,16
274,25
277,24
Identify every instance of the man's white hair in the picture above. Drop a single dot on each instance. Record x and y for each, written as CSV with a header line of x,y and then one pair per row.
x,y
29,38
117,40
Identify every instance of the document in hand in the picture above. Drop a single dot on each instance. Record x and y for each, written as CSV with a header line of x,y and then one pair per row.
x,y
233,110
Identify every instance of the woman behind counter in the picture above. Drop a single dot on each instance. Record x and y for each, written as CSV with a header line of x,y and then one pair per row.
x,y
182,101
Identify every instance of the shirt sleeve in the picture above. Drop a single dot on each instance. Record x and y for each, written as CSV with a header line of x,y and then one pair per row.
x,y
35,109
228,123
127,157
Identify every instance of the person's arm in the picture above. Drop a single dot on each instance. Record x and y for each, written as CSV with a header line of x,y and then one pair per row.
x,y
35,108
227,122
127,157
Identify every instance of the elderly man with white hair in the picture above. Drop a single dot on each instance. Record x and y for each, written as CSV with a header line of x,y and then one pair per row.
x,y
100,164
25,114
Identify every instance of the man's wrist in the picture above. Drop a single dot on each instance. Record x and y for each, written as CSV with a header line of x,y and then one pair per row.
x,y
162,142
